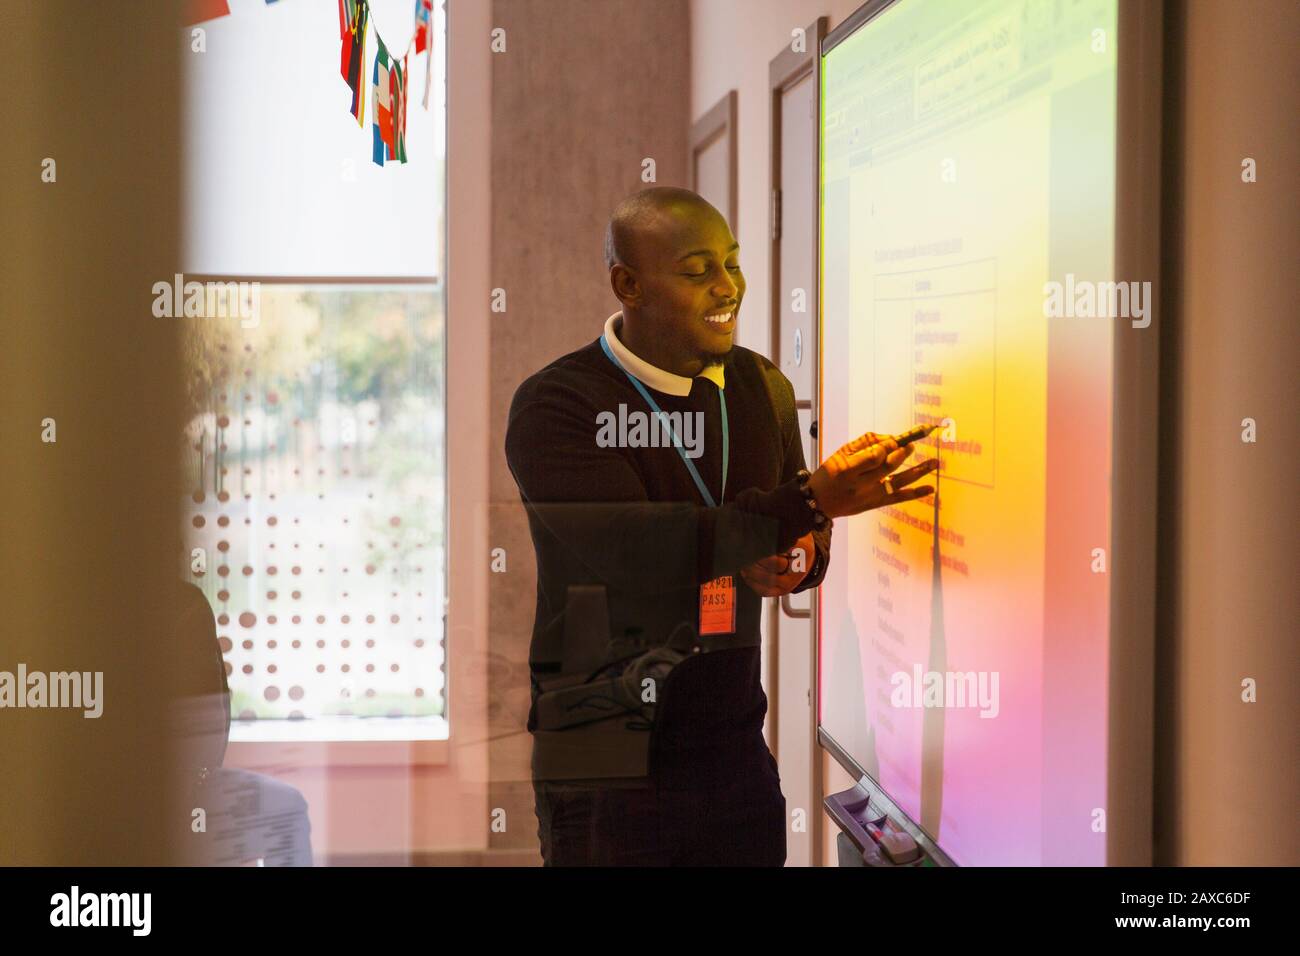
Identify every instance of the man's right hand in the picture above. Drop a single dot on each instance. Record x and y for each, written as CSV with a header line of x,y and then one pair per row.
x,y
850,481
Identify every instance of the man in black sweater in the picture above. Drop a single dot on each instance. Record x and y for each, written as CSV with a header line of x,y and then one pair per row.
x,y
663,475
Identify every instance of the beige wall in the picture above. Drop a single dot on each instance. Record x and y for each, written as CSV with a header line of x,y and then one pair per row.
x,y
90,523
469,201
1227,771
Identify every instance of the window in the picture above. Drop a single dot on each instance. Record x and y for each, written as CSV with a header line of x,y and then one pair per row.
x,y
314,451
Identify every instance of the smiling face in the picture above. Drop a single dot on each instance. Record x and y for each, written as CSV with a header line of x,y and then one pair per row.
x,y
682,288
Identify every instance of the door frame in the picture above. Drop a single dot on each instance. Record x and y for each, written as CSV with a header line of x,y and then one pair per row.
x,y
718,121
785,70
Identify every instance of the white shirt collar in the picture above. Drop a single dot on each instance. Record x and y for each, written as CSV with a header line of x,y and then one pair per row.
x,y
656,378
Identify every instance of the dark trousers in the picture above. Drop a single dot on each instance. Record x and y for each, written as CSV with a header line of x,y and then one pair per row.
x,y
740,824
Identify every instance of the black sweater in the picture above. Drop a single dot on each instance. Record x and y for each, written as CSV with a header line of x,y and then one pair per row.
x,y
631,522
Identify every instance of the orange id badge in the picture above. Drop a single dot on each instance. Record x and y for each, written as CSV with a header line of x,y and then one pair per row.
x,y
718,606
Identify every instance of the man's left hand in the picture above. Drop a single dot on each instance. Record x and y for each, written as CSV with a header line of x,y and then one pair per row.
x,y
781,573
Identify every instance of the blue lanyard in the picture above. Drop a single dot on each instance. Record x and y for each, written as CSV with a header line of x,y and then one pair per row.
x,y
677,442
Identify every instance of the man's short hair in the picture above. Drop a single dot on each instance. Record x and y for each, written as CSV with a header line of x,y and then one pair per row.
x,y
639,210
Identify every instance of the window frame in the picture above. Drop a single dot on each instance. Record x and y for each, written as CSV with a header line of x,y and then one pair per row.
x,y
308,749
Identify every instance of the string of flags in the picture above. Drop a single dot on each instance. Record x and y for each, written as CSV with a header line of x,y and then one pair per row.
x,y
388,77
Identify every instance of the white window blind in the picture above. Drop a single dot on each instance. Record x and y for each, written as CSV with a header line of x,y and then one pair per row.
x,y
279,178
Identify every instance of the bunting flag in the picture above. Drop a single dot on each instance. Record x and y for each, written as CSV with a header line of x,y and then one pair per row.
x,y
401,125
397,98
383,122
354,19
389,95
197,11
423,25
